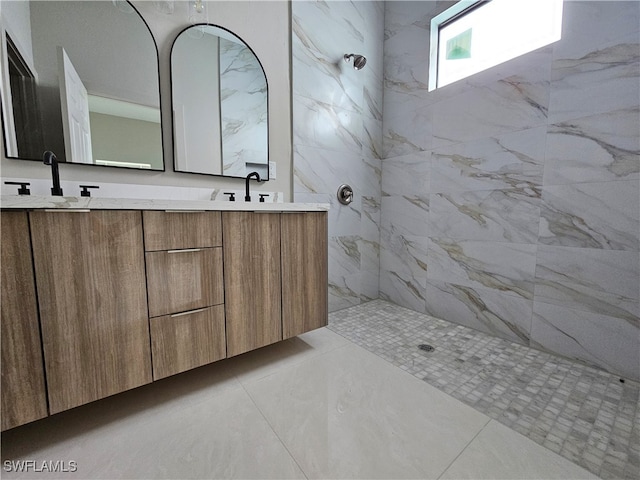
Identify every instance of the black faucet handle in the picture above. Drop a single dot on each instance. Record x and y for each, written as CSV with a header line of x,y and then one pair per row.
x,y
85,190
262,196
23,190
232,196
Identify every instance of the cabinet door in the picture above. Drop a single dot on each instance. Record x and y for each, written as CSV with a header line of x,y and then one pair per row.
x,y
187,340
23,388
251,280
93,309
181,280
304,272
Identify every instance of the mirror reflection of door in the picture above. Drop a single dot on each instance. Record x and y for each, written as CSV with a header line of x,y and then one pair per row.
x,y
74,103
28,137
115,55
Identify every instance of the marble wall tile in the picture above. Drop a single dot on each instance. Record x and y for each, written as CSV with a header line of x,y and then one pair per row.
x,y
344,255
372,143
318,170
370,178
407,133
605,78
607,342
406,253
482,309
592,280
321,31
370,219
488,215
369,255
512,103
369,285
401,288
596,148
589,24
404,215
591,215
504,267
344,292
344,220
512,160
406,175
322,125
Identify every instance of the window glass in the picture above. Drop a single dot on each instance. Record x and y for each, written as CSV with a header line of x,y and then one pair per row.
x,y
472,36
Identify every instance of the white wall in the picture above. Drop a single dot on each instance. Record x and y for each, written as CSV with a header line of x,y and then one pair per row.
x,y
262,25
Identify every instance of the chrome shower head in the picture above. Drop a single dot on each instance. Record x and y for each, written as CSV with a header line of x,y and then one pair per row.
x,y
359,61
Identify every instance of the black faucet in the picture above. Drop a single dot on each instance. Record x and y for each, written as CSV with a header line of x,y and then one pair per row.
x,y
50,158
247,197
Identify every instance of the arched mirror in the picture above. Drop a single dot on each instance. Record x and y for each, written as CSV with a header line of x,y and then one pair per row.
x,y
220,104
80,78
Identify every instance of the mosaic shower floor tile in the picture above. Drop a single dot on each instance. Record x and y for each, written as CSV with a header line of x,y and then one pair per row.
x,y
587,415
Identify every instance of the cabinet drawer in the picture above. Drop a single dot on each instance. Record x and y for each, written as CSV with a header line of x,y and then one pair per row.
x,y
181,280
188,340
175,230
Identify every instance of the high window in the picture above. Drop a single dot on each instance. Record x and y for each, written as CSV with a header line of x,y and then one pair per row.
x,y
474,35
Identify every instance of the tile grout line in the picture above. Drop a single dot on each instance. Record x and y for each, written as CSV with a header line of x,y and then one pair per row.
x,y
275,433
465,447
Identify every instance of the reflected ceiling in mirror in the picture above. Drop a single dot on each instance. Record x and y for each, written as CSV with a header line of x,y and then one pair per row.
x,y
80,78
220,104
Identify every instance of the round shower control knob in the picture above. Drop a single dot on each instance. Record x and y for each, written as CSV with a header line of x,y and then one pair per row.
x,y
345,194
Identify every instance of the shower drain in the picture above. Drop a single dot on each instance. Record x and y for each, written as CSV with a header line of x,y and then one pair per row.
x,y
425,348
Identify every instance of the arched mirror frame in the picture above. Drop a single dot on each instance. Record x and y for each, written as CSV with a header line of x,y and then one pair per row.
x,y
173,121
155,44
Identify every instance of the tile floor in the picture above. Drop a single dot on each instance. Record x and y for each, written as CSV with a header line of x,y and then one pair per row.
x,y
317,406
582,413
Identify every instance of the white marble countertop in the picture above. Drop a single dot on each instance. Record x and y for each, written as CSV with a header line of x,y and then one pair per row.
x,y
97,203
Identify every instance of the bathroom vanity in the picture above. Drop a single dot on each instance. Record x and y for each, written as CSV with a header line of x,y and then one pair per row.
x,y
100,296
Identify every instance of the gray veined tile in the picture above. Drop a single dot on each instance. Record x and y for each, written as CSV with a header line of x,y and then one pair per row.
x,y
605,282
512,160
592,215
404,215
369,255
406,175
483,309
319,31
400,286
487,215
318,170
344,255
510,104
406,253
607,342
407,133
372,141
603,79
344,291
596,148
322,125
370,223
591,24
504,267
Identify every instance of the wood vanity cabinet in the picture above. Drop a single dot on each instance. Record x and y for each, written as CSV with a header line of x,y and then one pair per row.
x,y
275,276
98,302
304,272
185,289
90,275
252,280
23,384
